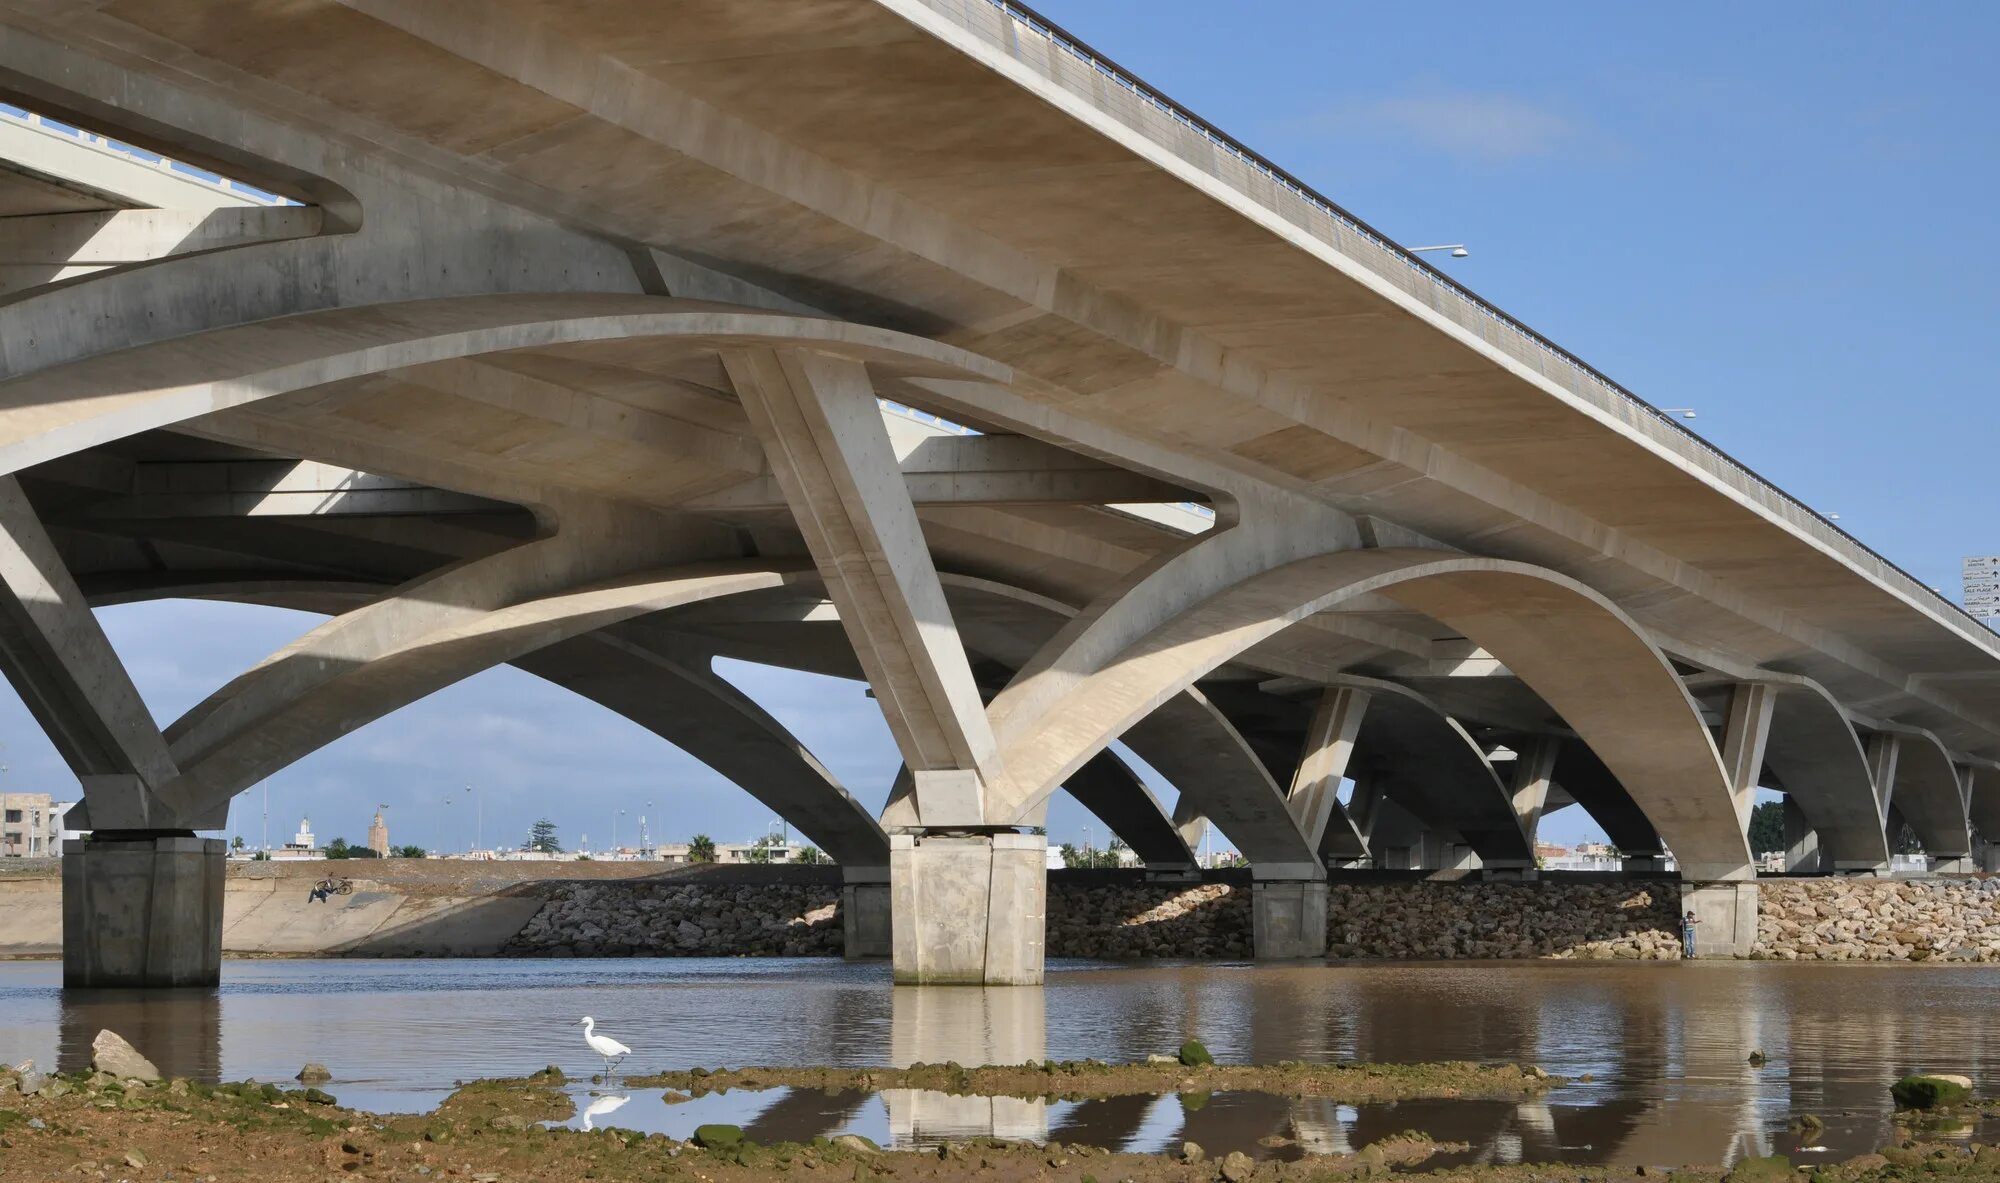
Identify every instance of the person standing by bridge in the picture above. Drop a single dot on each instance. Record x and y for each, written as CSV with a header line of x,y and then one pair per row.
x,y
1687,935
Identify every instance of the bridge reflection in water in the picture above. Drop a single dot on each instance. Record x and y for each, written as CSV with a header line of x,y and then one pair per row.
x,y
1666,1046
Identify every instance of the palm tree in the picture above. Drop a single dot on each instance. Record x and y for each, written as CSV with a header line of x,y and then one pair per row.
x,y
701,849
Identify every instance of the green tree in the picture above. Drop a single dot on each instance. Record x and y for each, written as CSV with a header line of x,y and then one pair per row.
x,y
237,844
410,852
811,856
701,849
759,853
338,848
1077,858
1767,827
542,837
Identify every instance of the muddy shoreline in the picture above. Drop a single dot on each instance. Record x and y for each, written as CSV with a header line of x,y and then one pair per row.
x,y
1074,1080
96,1126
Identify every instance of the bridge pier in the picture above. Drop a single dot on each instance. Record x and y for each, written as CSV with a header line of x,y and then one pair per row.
x,y
967,909
864,913
142,909
1287,919
1726,917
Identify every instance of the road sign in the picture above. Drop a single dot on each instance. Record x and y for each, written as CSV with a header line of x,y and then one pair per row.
x,y
1981,577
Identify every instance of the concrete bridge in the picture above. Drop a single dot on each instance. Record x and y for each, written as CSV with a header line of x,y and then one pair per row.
x,y
565,340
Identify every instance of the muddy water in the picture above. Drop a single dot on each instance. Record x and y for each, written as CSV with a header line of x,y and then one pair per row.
x,y
1666,1044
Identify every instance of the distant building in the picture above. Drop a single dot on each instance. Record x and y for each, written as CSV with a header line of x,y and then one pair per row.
x,y
378,836
30,826
301,847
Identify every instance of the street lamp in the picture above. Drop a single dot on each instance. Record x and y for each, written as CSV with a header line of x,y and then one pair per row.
x,y
1683,412
1457,249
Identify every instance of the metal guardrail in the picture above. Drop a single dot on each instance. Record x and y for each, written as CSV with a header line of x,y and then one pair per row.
x,y
1373,249
166,164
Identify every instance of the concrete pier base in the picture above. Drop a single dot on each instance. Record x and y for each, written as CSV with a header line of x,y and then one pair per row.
x,y
1726,916
143,910
967,909
1952,864
1288,919
864,914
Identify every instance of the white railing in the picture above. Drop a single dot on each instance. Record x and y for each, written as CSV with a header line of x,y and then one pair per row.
x,y
181,170
1042,45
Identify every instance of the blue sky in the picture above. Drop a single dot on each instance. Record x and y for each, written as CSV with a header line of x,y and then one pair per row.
x,y
1780,215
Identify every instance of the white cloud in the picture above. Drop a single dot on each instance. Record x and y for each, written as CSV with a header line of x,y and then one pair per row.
x,y
1490,127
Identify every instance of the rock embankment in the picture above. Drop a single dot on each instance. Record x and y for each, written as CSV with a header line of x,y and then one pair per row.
x,y
683,920
1634,921
1879,920
1148,920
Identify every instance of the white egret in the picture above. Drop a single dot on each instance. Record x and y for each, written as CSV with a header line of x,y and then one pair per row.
x,y
612,1050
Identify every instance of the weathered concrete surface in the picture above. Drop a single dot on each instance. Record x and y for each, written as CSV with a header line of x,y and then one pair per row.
x,y
968,910
142,912
1725,917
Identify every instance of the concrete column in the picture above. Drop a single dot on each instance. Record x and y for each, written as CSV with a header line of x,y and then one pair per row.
x,y
1802,851
1952,864
59,660
1745,735
1726,915
967,909
864,912
1315,791
143,910
822,431
1288,919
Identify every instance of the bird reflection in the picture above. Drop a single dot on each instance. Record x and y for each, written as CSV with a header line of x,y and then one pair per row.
x,y
601,1106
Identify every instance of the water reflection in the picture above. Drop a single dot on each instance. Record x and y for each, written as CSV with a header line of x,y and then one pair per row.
x,y
993,1025
602,1107
180,1031
1667,1044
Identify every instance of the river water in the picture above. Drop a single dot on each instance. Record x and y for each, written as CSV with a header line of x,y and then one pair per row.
x,y
1666,1043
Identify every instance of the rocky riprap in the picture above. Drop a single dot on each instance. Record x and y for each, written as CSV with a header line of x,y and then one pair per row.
x,y
1633,921
1879,920
683,920
1150,920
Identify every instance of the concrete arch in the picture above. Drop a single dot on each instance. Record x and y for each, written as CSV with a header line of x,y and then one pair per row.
x,y
675,696
252,728
1188,740
64,409
1930,794
1426,762
1824,770
1581,774
1573,646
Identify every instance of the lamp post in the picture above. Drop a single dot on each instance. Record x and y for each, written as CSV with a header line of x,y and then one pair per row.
x,y
1683,412
1457,249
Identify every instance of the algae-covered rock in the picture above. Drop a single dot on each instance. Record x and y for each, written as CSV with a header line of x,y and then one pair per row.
x,y
1929,1092
1774,1168
718,1136
1193,1054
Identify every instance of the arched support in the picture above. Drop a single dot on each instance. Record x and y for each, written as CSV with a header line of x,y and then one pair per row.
x,y
678,697
1116,796
1930,792
1188,740
1576,649
1580,773
428,635
1423,760
1820,762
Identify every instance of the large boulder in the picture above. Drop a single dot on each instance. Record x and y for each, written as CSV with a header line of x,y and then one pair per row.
x,y
109,1053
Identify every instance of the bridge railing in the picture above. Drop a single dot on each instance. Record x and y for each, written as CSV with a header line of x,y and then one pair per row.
x,y
1048,49
137,155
